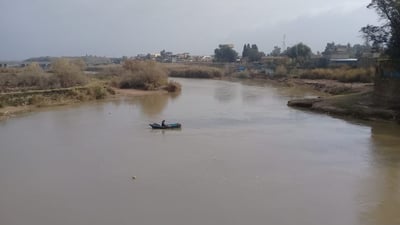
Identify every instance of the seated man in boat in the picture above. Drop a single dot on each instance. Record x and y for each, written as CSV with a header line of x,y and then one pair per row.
x,y
163,123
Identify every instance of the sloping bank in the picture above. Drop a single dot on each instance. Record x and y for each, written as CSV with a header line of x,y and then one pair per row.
x,y
14,103
360,105
25,101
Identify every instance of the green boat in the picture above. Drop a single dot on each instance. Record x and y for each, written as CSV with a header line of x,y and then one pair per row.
x,y
166,126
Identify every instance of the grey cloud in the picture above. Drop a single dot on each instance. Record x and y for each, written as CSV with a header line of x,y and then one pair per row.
x,y
128,27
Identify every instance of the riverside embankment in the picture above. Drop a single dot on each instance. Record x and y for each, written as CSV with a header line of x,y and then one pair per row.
x,y
15,103
352,100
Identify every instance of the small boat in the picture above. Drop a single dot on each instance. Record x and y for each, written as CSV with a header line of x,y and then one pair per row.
x,y
166,126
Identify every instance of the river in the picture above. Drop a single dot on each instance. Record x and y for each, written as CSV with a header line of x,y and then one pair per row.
x,y
241,157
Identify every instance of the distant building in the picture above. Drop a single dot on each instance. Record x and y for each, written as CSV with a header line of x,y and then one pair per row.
x,y
206,58
340,52
275,60
352,62
21,64
183,56
227,45
94,60
10,64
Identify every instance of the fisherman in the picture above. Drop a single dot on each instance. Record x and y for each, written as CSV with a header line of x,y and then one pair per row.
x,y
163,123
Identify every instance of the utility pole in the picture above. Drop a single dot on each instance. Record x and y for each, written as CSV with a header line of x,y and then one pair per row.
x,y
284,43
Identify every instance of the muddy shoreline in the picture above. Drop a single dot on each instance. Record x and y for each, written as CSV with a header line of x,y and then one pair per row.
x,y
362,105
63,99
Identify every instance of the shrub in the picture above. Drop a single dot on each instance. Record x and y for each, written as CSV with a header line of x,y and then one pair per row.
x,y
7,81
65,74
36,100
241,75
110,90
99,92
173,86
344,74
145,75
281,71
31,77
196,72
110,72
68,73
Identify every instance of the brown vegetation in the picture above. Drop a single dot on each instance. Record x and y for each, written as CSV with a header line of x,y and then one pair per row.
x,y
144,75
173,86
281,71
195,72
69,73
108,72
54,97
348,75
241,75
64,74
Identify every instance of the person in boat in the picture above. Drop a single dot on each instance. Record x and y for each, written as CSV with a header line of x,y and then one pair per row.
x,y
163,123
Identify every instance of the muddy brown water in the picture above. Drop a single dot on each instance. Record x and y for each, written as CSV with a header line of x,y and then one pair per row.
x,y
242,157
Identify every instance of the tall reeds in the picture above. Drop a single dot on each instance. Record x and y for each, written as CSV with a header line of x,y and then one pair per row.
x,y
347,75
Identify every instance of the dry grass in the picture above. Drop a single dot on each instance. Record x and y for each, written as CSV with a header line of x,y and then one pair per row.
x,y
145,75
64,74
281,71
69,73
173,86
241,75
195,71
109,72
55,96
347,75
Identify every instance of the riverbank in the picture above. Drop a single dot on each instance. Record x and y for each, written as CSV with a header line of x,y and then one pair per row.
x,y
16,103
354,100
331,87
13,103
334,97
136,92
362,105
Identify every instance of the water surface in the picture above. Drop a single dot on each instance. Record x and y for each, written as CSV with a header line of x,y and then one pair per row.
x,y
242,157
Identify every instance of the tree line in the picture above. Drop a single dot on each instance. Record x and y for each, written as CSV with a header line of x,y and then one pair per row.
x,y
384,39
300,52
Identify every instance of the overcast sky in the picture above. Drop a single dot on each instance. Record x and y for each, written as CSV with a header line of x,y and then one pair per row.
x,y
116,28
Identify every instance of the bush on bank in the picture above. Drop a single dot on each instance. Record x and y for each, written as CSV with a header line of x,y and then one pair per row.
x,y
144,75
64,73
196,72
173,86
69,73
